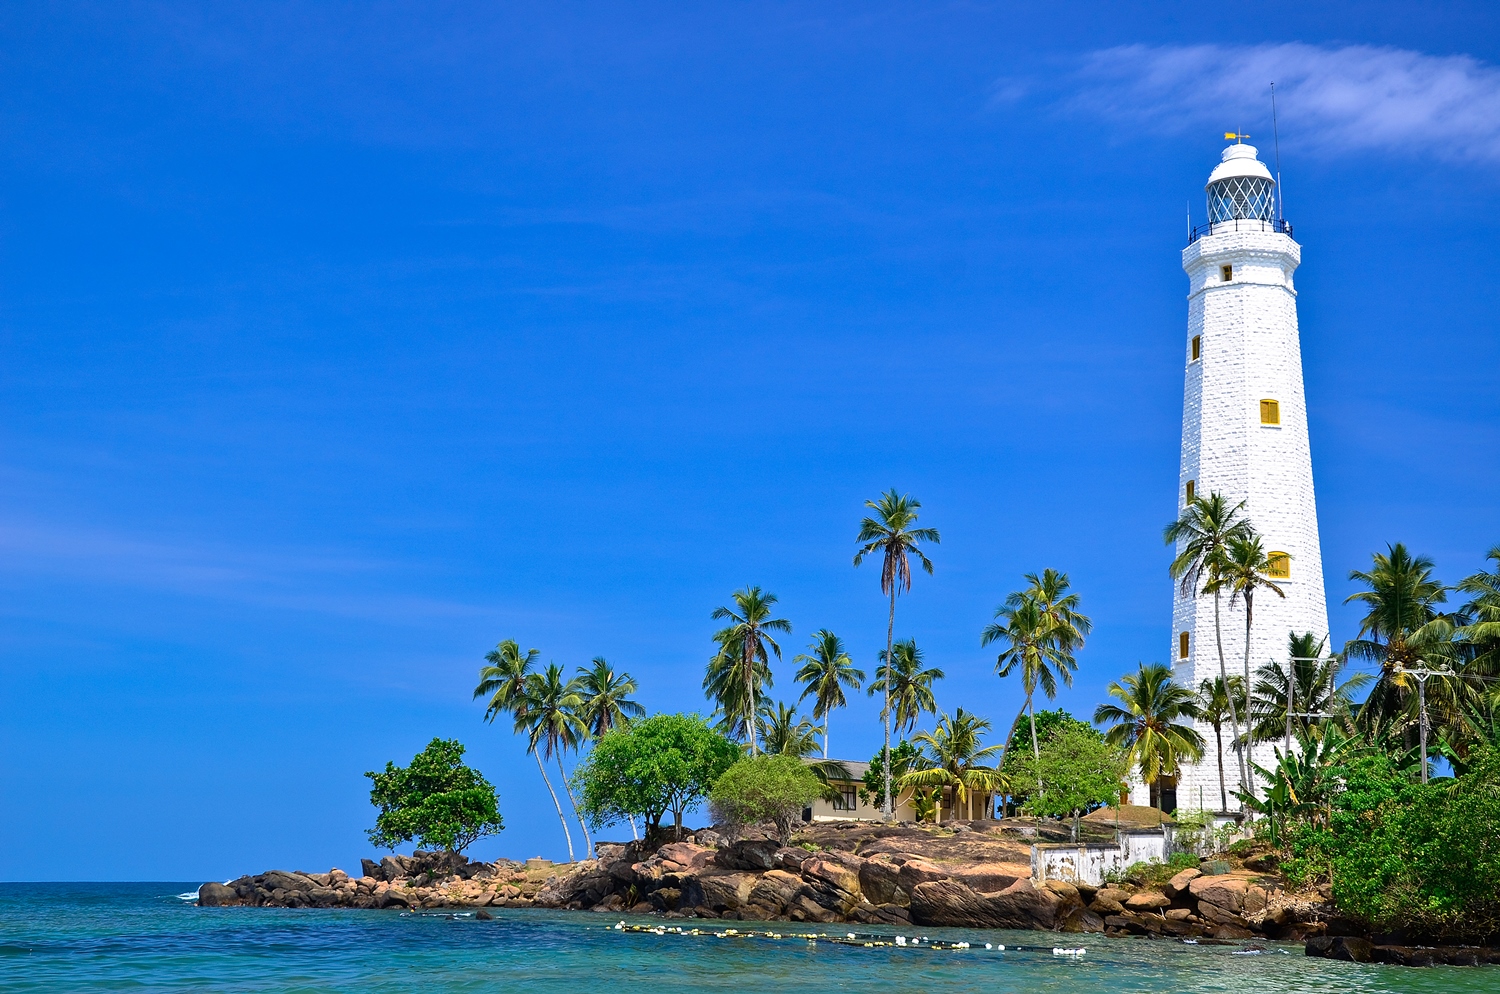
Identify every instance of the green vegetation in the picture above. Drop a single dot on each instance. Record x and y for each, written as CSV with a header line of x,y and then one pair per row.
x,y
742,665
436,801
765,788
904,757
826,671
1074,772
907,685
1422,858
950,762
666,763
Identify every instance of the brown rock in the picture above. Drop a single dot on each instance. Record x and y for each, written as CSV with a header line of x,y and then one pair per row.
x,y
919,871
749,854
1345,947
878,881
1233,932
1147,901
1105,905
1116,894
950,902
1256,899
832,875
1224,891
772,892
991,878
665,898
804,909
1178,914
725,891
1179,883
1082,921
1219,916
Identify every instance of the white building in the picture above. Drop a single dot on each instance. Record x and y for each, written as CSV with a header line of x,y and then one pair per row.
x,y
1244,434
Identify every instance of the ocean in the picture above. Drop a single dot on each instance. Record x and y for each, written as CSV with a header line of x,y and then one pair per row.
x,y
144,937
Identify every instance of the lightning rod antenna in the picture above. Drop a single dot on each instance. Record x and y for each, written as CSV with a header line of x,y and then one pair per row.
x,y
1276,137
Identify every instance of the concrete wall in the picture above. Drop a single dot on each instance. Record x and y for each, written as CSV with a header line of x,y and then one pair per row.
x,y
1089,864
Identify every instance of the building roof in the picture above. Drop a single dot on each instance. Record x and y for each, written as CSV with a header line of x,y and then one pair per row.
x,y
856,769
1239,160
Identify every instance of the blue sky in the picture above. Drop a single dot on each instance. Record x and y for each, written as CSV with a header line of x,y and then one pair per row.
x,y
342,341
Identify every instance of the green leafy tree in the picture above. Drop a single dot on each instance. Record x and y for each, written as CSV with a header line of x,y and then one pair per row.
x,y
890,532
437,800
664,764
744,644
953,758
826,671
907,685
1075,772
1201,538
765,789
1147,723
903,759
1042,725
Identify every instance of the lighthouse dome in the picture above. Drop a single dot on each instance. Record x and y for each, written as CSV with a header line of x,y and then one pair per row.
x,y
1241,187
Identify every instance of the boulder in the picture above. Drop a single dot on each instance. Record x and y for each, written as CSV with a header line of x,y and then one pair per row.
x,y
370,868
1105,905
722,891
1147,900
1344,947
1082,921
1256,899
791,859
665,898
878,882
392,868
803,908
290,882
919,871
1226,892
991,878
828,874
1220,916
214,895
1179,883
1117,894
772,892
950,902
756,855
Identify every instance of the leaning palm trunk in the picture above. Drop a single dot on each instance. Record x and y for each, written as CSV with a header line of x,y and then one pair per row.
x,y
560,816
1219,742
1234,712
588,843
633,833
887,810
1245,751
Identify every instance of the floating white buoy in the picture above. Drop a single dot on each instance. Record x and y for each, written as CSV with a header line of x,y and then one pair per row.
x,y
851,935
900,940
1068,952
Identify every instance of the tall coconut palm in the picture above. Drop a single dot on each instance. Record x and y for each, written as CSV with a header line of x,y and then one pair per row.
x,y
547,711
1147,723
906,684
1212,704
786,733
1246,569
1036,647
1201,537
953,760
606,698
724,684
889,531
1050,591
826,671
505,681
747,639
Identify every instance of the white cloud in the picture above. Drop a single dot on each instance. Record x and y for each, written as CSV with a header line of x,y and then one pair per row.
x,y
1330,100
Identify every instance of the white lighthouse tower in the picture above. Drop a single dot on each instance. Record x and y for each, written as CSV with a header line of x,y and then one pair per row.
x,y
1244,435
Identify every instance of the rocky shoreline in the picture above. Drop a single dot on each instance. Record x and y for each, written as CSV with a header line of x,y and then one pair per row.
x,y
973,876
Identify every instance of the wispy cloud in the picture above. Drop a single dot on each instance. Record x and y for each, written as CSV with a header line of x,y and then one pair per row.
x,y
1331,100
298,580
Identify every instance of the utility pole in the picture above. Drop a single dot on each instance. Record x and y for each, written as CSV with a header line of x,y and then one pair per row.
x,y
1422,673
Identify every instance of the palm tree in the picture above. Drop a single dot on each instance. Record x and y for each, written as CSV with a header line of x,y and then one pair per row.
x,y
906,685
1201,537
826,671
744,642
787,734
1035,645
891,533
1483,615
1245,570
547,710
1309,683
606,698
1146,723
507,681
1402,628
1212,704
954,760
1050,592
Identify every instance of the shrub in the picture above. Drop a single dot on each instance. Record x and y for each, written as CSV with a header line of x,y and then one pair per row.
x,y
765,788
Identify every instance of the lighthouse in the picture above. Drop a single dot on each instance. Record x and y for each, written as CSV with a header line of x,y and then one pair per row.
x,y
1244,435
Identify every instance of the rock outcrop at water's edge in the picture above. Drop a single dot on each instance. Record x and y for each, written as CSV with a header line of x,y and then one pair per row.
x,y
890,875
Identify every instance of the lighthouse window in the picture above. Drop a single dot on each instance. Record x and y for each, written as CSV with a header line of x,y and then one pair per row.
x,y
1280,566
1182,645
1227,272
1270,412
1190,491
1197,348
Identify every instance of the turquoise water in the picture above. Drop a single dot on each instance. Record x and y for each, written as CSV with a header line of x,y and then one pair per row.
x,y
142,937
